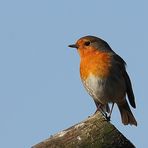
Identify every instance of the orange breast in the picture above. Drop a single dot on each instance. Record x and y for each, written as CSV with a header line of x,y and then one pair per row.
x,y
96,63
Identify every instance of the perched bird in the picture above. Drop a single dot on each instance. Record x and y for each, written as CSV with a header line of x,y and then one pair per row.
x,y
104,76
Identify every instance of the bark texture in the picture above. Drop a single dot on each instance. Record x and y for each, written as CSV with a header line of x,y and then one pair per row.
x,y
94,132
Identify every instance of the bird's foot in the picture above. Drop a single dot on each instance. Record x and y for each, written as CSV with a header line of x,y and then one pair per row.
x,y
107,117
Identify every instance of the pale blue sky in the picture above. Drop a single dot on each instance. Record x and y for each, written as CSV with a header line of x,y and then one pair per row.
x,y
40,88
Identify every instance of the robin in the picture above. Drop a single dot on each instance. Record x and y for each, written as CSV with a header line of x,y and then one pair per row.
x,y
104,76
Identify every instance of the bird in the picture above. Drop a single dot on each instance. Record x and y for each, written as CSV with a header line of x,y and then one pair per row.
x,y
104,76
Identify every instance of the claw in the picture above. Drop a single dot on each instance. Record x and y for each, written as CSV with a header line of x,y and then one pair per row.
x,y
102,111
107,117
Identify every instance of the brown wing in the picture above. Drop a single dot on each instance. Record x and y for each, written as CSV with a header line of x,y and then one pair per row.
x,y
129,90
121,64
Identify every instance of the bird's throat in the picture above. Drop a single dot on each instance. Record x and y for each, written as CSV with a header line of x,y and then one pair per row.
x,y
96,63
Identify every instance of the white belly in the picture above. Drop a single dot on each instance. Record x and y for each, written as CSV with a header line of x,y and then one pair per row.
x,y
104,90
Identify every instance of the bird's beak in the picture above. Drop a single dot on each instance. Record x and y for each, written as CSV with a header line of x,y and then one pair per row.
x,y
73,46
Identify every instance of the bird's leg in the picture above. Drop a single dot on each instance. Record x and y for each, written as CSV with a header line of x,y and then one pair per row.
x,y
99,108
98,105
111,110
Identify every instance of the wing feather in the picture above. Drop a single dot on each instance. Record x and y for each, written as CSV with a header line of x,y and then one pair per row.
x,y
121,64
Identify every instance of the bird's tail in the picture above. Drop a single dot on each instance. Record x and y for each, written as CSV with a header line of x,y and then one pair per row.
x,y
126,114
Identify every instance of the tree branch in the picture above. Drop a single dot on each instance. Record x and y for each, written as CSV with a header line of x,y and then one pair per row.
x,y
94,132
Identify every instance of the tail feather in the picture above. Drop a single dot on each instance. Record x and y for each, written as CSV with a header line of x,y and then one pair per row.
x,y
126,114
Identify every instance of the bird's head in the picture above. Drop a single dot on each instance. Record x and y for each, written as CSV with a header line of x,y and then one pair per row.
x,y
89,44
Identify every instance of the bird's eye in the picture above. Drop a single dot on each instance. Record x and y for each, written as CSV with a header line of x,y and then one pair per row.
x,y
87,43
